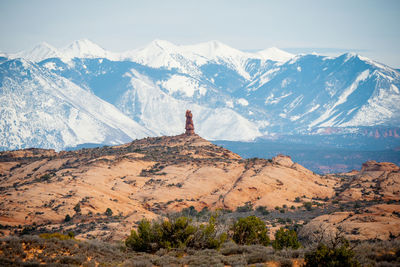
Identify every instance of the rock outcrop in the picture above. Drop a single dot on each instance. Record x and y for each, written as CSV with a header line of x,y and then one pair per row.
x,y
372,165
283,160
189,123
144,178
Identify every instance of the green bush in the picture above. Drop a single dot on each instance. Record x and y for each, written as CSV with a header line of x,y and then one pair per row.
x,y
143,239
331,256
263,210
176,233
108,212
77,208
67,218
250,230
285,238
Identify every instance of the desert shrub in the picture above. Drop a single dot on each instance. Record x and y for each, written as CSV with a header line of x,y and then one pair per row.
x,y
262,210
138,263
67,218
57,235
235,260
378,253
285,238
250,230
285,262
258,254
70,260
206,236
331,255
175,233
248,206
307,205
108,212
230,248
190,212
77,208
144,237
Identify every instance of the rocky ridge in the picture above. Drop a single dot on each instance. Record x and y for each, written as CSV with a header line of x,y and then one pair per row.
x,y
152,177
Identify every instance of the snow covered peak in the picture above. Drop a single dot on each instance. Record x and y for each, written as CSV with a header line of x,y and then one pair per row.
x,y
212,50
275,54
83,49
160,44
37,53
348,56
80,49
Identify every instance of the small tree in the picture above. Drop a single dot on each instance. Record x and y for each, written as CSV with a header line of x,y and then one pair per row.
x,y
250,230
285,238
206,236
325,255
142,239
108,212
67,218
176,233
332,250
77,208
308,205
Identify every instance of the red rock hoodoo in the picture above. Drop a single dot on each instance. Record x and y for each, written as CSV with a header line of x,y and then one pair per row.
x,y
189,123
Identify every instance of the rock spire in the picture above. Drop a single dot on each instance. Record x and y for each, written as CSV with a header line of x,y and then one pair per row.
x,y
189,123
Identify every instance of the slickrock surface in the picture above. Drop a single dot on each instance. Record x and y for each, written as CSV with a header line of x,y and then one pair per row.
x,y
372,199
145,178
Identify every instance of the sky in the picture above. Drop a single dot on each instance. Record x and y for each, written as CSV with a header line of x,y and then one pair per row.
x,y
367,27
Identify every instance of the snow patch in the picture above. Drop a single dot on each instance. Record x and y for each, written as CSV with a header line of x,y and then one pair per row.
x,y
183,84
274,100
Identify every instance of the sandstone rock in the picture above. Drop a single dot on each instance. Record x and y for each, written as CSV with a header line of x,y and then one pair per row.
x,y
189,123
374,223
145,178
372,165
283,160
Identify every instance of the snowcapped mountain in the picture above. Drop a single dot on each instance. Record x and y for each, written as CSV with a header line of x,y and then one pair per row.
x,y
233,95
312,91
275,54
41,109
78,49
38,53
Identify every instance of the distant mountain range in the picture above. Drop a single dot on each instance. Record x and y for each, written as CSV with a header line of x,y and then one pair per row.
x,y
58,98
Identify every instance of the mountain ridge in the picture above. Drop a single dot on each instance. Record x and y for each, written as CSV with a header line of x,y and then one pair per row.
x,y
245,94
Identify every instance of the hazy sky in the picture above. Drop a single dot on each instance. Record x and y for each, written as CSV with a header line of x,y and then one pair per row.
x,y
368,27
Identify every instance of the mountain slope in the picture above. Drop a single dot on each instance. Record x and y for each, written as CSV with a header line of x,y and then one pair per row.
x,y
311,91
41,109
234,95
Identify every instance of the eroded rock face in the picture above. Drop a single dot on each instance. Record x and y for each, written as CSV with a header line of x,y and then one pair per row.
x,y
375,222
372,165
189,123
283,160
